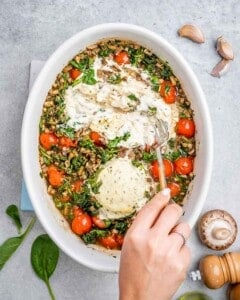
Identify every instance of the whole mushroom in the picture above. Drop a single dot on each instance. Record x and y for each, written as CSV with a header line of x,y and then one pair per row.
x,y
217,229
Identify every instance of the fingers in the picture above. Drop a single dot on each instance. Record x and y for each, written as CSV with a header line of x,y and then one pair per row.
x,y
149,213
186,256
180,234
168,219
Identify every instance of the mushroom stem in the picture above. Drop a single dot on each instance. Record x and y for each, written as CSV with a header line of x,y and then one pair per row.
x,y
221,233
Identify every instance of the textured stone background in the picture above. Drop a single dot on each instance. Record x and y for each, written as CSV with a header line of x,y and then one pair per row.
x,y
33,30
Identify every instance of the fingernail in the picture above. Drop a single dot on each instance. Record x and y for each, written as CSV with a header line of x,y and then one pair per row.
x,y
165,192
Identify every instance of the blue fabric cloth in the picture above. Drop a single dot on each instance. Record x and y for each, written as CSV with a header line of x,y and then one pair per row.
x,y
25,199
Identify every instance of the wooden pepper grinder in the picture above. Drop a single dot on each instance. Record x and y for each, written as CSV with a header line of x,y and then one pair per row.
x,y
233,292
218,270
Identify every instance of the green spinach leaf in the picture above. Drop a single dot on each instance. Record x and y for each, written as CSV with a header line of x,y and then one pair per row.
x,y
12,212
88,77
10,245
44,259
92,236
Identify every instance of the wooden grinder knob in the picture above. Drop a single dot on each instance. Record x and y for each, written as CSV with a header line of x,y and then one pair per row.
x,y
218,270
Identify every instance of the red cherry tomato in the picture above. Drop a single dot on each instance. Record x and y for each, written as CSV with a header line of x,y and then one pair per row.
x,y
119,239
48,139
168,91
77,185
122,58
109,242
65,141
81,224
102,224
96,138
174,188
168,168
77,211
185,127
74,73
183,165
55,177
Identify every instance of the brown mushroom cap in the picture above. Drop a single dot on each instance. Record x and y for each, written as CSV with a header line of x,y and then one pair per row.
x,y
217,229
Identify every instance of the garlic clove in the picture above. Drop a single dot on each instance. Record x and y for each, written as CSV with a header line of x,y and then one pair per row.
x,y
224,49
192,32
221,68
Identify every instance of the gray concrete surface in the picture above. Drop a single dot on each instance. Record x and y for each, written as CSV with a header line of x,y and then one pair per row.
x,y
32,30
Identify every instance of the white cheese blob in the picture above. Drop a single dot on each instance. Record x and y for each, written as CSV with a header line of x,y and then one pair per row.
x,y
107,108
123,189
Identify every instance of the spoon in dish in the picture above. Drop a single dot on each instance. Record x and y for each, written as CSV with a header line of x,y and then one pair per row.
x,y
161,136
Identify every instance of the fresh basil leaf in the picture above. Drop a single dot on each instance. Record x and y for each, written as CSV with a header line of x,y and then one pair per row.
x,y
10,245
12,212
44,259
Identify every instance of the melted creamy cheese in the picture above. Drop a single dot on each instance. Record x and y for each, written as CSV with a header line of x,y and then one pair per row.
x,y
106,108
122,190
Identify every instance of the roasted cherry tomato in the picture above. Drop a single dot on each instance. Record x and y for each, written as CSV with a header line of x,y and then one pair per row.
x,y
81,224
48,139
55,176
168,168
100,223
185,127
183,165
168,91
77,185
109,241
65,141
96,138
74,73
77,211
122,58
174,188
119,239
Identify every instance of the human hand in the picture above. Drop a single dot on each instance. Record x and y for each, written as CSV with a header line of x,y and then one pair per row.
x,y
154,258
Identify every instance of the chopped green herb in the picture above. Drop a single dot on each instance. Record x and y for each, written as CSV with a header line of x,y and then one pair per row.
x,y
149,156
104,51
115,79
66,130
166,71
47,159
136,55
133,97
88,77
137,163
76,162
155,83
92,236
121,227
171,143
94,183
83,64
167,89
113,143
152,110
